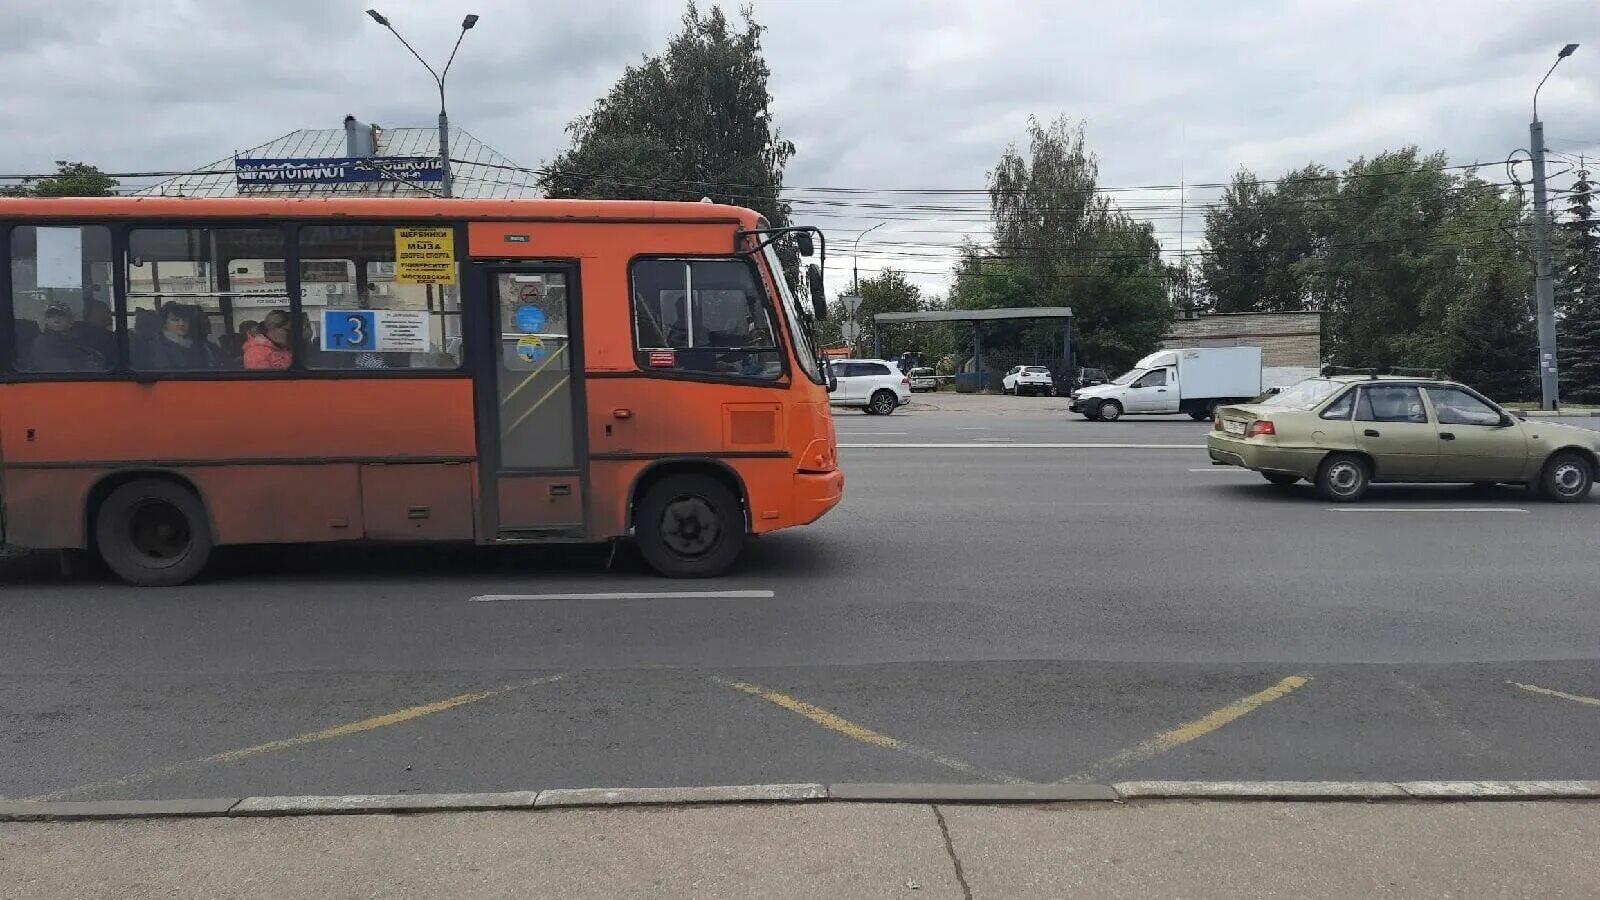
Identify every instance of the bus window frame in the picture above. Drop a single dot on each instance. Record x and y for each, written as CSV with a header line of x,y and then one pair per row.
x,y
785,379
123,370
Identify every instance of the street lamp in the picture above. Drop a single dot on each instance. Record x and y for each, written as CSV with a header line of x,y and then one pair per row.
x,y
1544,287
438,78
855,267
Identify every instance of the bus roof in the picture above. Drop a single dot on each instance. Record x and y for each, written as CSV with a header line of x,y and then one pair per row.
x,y
374,208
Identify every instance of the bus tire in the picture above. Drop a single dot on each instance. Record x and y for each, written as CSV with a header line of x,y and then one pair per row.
x,y
689,526
153,532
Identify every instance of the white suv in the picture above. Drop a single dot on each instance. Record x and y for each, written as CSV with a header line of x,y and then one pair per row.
x,y
871,384
1029,380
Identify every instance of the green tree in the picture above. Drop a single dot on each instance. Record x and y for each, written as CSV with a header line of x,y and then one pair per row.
x,y
1059,242
72,179
1579,338
694,121
1257,234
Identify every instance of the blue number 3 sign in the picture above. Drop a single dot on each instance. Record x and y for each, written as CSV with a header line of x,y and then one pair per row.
x,y
349,329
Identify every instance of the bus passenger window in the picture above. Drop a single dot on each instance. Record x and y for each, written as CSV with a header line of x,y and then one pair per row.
x,y
61,299
190,291
712,313
380,297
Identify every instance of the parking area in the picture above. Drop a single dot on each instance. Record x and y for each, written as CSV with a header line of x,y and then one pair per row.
x,y
1008,593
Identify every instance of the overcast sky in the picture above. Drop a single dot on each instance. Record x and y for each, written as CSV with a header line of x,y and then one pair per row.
x,y
875,93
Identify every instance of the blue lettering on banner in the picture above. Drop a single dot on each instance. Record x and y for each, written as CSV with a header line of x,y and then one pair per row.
x,y
336,170
530,319
349,329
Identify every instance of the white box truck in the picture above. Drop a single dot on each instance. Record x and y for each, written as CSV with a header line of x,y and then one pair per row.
x,y
1194,381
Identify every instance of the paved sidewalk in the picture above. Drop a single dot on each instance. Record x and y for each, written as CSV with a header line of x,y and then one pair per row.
x,y
1157,849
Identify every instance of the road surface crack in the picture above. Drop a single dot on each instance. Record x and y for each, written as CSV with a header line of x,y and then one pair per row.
x,y
950,850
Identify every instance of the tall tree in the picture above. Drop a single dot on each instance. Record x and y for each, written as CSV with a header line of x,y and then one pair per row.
x,y
1059,242
1256,234
694,121
71,179
1580,309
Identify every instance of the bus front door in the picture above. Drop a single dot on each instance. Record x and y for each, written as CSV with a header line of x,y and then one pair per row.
x,y
530,407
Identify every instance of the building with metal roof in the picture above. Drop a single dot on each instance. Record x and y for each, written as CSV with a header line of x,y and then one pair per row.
x,y
356,160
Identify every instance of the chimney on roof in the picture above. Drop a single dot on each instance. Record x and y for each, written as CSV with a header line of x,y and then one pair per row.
x,y
359,138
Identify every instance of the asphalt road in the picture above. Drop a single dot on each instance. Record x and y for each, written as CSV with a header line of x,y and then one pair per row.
x,y
978,612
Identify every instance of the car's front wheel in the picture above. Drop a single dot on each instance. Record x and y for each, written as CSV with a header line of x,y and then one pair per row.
x,y
1343,478
1109,411
1566,478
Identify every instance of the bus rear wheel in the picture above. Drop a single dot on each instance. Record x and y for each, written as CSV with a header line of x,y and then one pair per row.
x,y
689,526
153,533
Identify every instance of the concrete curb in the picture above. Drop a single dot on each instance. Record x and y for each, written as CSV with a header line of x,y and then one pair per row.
x,y
368,803
594,798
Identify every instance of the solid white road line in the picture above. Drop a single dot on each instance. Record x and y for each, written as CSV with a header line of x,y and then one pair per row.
x,y
1228,469
1427,509
990,445
873,433
632,595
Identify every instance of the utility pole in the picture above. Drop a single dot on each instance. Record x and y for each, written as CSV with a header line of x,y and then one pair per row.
x,y
446,182
1544,287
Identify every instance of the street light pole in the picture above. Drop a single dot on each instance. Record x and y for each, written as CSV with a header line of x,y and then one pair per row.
x,y
446,182
1544,288
855,261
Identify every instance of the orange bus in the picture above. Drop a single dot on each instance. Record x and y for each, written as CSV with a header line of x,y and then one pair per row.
x,y
177,374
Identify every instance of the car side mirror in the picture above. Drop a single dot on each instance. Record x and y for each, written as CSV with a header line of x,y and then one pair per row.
x,y
819,293
803,243
1506,421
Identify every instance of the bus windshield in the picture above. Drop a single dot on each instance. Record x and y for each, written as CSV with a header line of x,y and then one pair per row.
x,y
798,321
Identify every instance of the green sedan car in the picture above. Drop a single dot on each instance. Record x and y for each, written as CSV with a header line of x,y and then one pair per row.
x,y
1343,433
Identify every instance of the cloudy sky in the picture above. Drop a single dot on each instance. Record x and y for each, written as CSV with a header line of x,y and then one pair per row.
x,y
876,94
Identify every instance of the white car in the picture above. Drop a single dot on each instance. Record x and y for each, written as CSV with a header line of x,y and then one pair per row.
x,y
1029,380
870,384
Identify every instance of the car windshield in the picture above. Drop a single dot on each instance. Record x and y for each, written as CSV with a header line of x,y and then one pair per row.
x,y
1304,395
1037,370
1127,377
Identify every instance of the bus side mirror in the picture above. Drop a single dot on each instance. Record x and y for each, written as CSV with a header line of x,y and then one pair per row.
x,y
819,294
832,379
803,243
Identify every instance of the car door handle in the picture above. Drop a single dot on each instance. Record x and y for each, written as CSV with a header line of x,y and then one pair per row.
x,y
1371,432
1446,436
1161,390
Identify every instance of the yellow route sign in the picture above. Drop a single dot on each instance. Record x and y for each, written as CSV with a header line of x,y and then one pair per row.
x,y
425,255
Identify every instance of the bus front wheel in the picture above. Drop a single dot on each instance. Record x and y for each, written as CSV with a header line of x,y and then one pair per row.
x,y
689,526
153,533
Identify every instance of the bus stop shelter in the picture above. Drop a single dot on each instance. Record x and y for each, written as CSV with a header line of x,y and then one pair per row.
x,y
977,317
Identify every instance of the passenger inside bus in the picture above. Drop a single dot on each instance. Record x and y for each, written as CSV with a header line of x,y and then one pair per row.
x,y
61,348
181,344
270,349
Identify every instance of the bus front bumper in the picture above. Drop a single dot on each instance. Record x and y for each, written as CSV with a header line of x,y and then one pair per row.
x,y
815,493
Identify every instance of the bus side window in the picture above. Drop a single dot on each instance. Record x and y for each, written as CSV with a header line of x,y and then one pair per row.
x,y
61,299
711,313
367,308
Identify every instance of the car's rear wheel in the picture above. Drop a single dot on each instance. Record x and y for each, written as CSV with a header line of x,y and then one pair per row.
x,y
883,403
689,526
153,533
1343,478
1281,479
1109,411
1566,478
